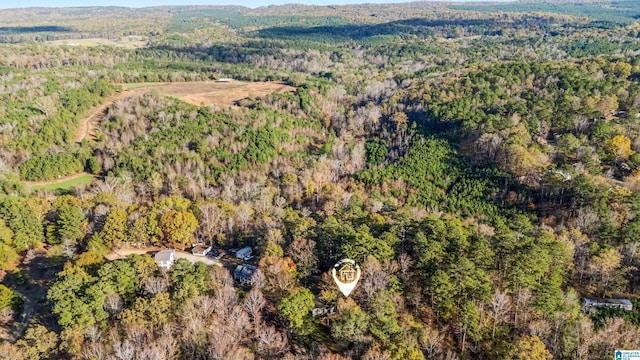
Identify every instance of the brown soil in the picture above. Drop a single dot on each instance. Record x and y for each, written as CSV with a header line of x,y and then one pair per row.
x,y
214,93
126,251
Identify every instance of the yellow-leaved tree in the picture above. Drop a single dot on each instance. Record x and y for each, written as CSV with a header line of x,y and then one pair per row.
x,y
619,148
531,348
177,227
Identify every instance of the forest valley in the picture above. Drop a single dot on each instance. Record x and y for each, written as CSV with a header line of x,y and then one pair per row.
x,y
480,162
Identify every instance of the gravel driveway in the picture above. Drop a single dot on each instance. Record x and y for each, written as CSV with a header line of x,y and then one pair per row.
x,y
123,253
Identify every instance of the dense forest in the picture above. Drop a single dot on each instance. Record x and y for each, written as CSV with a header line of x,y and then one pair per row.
x,y
481,163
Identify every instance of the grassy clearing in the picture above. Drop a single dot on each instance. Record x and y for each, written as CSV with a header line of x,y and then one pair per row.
x,y
125,42
133,86
64,184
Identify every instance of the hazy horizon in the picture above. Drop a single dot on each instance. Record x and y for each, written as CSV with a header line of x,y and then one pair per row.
x,y
250,3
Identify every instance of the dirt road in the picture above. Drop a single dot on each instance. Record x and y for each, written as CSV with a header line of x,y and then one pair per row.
x,y
123,253
89,122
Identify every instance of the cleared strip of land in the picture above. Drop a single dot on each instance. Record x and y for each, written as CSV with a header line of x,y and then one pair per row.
x,y
127,42
214,93
63,184
194,92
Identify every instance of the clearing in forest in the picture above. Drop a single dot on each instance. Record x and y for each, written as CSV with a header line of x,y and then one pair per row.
x,y
214,93
193,92
63,184
126,251
127,42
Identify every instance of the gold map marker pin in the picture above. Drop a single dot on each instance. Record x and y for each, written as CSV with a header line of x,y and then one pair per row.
x,y
346,274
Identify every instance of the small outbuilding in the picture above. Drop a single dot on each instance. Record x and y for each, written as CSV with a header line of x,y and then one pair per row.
x,y
201,250
165,258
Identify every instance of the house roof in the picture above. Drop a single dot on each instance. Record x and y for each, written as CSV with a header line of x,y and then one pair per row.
x,y
164,255
621,301
244,271
608,301
244,250
201,248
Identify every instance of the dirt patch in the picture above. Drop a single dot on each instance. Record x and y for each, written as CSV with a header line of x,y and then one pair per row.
x,y
215,93
127,42
124,252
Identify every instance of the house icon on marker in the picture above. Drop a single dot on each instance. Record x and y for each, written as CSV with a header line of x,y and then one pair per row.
x,y
618,355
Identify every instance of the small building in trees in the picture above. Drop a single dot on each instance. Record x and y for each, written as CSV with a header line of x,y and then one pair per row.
x,y
624,304
201,250
243,273
244,253
165,258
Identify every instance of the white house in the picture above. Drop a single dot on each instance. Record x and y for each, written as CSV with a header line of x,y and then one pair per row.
x,y
624,304
244,253
165,258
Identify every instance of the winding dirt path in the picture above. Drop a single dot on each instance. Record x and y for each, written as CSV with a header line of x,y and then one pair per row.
x,y
89,122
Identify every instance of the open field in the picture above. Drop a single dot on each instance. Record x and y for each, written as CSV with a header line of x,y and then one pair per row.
x,y
135,86
63,184
214,93
127,42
